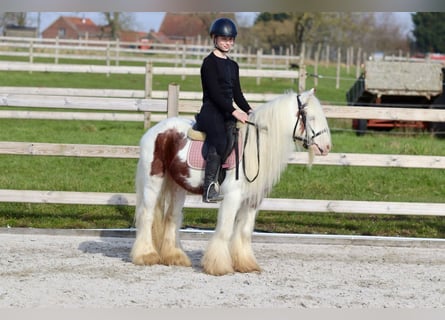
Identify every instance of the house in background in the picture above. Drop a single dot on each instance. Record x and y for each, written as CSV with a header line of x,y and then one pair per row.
x,y
73,28
183,27
84,28
188,27
131,36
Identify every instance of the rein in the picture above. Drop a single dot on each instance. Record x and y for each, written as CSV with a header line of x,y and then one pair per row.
x,y
307,140
257,131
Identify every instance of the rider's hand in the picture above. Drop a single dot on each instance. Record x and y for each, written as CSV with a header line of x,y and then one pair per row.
x,y
240,115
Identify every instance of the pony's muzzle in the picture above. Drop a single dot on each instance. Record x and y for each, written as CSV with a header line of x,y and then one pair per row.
x,y
320,150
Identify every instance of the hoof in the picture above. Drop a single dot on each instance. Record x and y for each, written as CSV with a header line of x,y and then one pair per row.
x,y
248,269
147,259
215,267
245,265
178,258
217,272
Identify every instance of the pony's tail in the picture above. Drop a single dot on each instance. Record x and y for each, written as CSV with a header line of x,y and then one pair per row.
x,y
163,213
158,227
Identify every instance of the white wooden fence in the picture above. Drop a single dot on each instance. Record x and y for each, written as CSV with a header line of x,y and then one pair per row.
x,y
149,71
181,71
117,51
304,205
296,205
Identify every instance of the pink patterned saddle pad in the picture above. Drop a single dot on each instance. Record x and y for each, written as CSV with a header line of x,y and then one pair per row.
x,y
196,161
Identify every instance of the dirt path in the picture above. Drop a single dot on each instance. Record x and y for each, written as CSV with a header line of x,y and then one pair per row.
x,y
38,270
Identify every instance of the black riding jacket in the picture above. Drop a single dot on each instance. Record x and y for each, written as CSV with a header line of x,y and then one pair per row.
x,y
221,85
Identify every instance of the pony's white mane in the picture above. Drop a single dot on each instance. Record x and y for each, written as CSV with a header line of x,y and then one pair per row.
x,y
275,144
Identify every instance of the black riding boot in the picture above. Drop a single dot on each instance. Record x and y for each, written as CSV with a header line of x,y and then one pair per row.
x,y
211,185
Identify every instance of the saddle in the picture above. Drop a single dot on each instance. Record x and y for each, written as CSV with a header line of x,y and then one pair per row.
x,y
199,148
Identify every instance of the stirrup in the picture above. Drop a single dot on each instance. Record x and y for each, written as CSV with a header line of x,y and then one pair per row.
x,y
211,195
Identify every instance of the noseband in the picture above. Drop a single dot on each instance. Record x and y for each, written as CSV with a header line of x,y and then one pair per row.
x,y
307,140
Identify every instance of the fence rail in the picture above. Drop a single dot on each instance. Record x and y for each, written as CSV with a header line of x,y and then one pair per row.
x,y
298,205
187,106
149,71
178,71
114,151
95,116
117,51
304,205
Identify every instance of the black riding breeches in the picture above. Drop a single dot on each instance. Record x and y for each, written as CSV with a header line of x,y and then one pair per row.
x,y
212,122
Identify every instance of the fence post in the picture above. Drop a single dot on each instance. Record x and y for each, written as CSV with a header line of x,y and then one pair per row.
x,y
328,53
108,57
198,55
358,63
117,53
148,79
337,80
302,70
349,54
288,60
273,61
147,120
56,51
176,54
173,100
249,58
31,51
148,91
259,53
183,58
317,59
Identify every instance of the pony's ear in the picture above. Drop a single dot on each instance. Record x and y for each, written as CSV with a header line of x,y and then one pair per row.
x,y
307,94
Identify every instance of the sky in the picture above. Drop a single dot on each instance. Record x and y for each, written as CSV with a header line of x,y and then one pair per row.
x,y
147,21
144,21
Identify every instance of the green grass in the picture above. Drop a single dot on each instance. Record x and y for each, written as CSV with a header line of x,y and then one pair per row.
x,y
117,175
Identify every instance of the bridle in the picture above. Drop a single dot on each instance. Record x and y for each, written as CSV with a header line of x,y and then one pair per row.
x,y
309,134
308,140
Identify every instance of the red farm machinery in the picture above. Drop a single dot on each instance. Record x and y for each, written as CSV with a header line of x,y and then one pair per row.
x,y
399,85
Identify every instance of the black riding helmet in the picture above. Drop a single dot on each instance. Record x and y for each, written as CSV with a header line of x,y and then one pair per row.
x,y
223,27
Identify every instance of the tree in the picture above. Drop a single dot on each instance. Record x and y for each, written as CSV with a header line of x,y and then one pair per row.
x,y
268,16
20,19
369,31
429,31
388,35
118,21
271,34
16,18
283,29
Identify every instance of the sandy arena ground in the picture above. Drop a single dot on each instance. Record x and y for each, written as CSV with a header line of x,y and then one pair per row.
x,y
82,271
